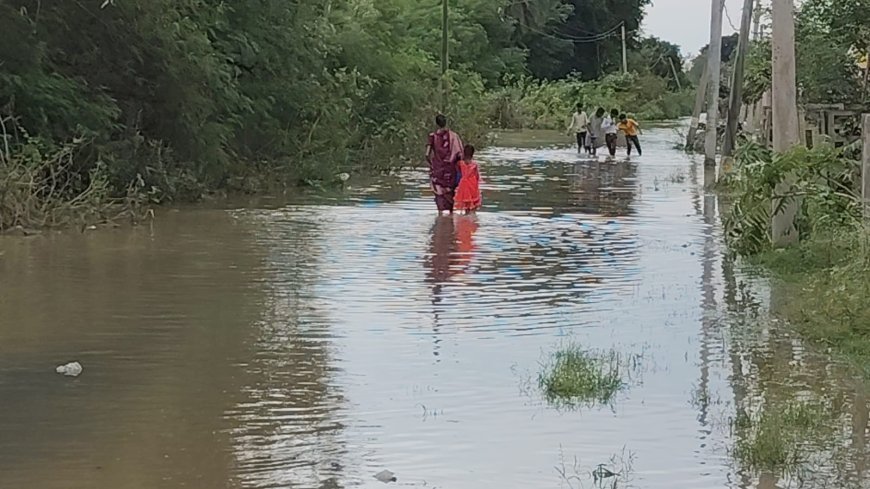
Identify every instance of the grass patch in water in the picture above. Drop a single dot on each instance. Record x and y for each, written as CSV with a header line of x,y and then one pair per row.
x,y
574,377
781,438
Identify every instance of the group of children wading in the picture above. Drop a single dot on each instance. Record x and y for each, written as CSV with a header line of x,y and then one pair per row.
x,y
455,176
591,131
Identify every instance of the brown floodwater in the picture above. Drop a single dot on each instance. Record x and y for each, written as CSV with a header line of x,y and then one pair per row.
x,y
315,341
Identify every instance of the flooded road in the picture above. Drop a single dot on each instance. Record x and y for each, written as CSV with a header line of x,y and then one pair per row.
x,y
314,344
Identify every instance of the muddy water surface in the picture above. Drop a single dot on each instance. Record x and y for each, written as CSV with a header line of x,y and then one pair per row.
x,y
314,344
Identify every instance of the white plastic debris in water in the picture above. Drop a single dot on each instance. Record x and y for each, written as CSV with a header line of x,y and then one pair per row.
x,y
72,369
343,177
385,476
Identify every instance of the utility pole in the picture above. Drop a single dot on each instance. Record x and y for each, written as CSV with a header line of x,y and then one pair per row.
x,y
714,60
753,119
736,100
676,75
445,63
785,113
699,107
756,22
624,51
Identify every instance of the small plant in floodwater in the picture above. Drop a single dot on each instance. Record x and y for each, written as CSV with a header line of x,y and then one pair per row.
x,y
677,176
780,438
574,377
617,472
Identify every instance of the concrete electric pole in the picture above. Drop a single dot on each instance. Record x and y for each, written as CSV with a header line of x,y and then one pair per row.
x,y
700,96
624,51
714,61
785,112
736,101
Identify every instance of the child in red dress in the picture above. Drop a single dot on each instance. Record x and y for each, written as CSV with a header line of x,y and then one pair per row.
x,y
468,193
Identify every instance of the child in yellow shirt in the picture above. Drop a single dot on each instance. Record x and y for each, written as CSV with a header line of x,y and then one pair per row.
x,y
631,129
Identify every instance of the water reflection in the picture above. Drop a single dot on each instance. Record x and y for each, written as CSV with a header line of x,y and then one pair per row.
x,y
772,368
288,428
442,250
607,187
560,183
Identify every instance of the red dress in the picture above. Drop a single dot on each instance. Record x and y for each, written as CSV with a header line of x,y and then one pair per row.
x,y
468,193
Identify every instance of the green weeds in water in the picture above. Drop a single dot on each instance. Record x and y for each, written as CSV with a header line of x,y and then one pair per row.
x,y
780,438
574,377
617,472
677,176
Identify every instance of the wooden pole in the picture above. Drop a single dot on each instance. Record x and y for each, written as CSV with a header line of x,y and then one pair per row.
x,y
865,167
785,113
676,75
736,102
699,107
624,52
714,61
445,63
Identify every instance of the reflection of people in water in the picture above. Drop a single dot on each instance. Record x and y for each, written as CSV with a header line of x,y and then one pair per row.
x,y
466,226
451,247
441,247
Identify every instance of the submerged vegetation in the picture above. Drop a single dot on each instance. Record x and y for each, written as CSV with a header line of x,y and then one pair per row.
x,y
169,100
780,439
825,275
575,377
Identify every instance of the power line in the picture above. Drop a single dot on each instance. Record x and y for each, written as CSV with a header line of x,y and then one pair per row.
x,y
728,16
575,39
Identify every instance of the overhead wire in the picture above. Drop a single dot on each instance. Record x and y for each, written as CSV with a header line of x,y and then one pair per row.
x,y
576,39
728,16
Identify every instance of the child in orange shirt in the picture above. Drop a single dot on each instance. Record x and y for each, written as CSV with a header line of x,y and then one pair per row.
x,y
468,193
631,129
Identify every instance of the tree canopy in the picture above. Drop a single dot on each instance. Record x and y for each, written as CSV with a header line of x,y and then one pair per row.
x,y
831,37
185,95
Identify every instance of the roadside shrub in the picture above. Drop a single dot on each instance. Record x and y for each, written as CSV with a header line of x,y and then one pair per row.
x,y
821,180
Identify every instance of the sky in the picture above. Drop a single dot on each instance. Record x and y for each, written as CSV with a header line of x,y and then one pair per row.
x,y
686,23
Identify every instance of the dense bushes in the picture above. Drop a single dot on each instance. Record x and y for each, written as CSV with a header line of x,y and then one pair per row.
x,y
831,37
183,97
